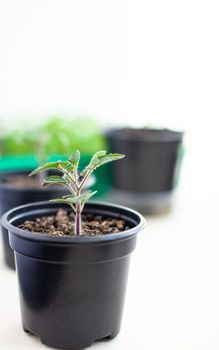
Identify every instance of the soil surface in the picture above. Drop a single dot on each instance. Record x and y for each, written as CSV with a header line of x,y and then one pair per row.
x,y
62,225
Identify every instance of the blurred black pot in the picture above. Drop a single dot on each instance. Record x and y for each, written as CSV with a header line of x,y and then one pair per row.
x,y
148,176
72,289
12,196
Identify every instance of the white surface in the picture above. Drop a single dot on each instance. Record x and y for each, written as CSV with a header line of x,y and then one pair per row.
x,y
172,301
125,61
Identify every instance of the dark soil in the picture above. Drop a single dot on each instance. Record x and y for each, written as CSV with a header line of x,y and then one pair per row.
x,y
62,225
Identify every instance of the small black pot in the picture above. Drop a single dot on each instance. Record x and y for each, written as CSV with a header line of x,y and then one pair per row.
x,y
12,196
148,174
72,289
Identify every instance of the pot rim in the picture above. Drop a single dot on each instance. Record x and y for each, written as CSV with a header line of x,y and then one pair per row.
x,y
6,221
171,135
40,188
8,186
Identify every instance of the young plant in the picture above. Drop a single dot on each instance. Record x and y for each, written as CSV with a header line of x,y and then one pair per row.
x,y
74,180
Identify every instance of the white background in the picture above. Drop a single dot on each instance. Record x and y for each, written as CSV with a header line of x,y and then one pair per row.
x,y
121,60
133,62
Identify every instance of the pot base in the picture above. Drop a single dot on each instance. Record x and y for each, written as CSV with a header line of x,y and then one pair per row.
x,y
80,346
72,305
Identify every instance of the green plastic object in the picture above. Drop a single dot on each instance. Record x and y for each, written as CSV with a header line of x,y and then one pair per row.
x,y
29,162
16,163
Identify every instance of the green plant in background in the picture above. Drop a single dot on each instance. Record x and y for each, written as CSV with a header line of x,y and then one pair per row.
x,y
71,133
1,144
74,180
37,140
49,140
57,135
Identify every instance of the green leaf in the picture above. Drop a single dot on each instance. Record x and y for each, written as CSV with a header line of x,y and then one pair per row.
x,y
94,160
87,195
74,158
83,198
55,180
101,158
61,200
109,158
71,200
69,167
50,165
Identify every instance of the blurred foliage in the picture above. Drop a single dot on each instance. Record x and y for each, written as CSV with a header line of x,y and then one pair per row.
x,y
25,147
57,135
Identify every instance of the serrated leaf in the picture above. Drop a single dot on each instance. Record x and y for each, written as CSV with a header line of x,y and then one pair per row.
x,y
60,200
101,158
49,165
55,180
69,167
109,158
93,162
74,158
82,197
87,195
71,200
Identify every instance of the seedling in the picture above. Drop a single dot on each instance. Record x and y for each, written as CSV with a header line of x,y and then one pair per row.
x,y
74,180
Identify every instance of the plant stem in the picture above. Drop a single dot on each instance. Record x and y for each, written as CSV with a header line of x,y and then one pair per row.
x,y
68,174
85,178
78,219
78,209
41,177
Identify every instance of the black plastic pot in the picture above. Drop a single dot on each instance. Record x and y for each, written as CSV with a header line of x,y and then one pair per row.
x,y
72,289
149,173
11,196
